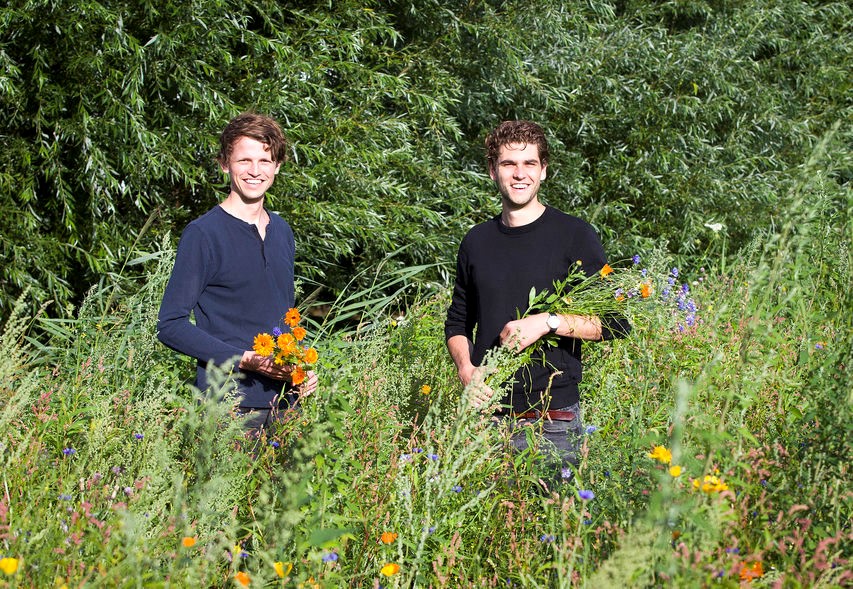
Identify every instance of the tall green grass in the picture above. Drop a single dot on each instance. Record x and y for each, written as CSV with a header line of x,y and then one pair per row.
x,y
110,460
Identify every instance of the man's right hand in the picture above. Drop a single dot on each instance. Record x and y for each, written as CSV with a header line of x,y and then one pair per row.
x,y
479,393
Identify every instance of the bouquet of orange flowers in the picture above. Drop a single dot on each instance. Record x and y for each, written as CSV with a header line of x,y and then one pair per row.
x,y
286,348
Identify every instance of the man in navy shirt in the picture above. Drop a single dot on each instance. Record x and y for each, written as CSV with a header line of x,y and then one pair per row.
x,y
528,245
234,272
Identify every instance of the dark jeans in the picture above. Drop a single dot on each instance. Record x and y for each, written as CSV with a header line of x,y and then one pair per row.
x,y
255,419
559,440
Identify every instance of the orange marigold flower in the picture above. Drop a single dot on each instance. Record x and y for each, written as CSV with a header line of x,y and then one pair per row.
x,y
426,389
606,270
285,340
292,317
392,568
753,571
188,541
310,356
263,344
298,375
243,578
645,290
388,537
281,358
299,333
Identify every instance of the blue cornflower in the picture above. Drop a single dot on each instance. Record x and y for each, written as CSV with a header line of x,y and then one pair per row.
x,y
566,473
636,258
138,436
590,429
432,456
417,450
405,457
586,495
274,444
276,331
69,451
674,271
587,522
457,488
547,538
65,497
690,320
330,557
733,550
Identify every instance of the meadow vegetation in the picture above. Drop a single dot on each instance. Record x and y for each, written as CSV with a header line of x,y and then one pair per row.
x,y
716,450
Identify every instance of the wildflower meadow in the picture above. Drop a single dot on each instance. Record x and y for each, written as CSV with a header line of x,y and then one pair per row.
x,y
716,447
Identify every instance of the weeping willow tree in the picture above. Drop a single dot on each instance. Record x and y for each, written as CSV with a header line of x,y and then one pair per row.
x,y
668,119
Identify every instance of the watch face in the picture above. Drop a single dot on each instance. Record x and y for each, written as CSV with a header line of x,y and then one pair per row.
x,y
553,322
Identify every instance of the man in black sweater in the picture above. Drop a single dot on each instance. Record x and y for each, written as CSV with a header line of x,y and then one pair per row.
x,y
528,245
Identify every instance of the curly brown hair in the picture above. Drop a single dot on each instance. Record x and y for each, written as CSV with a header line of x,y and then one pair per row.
x,y
524,132
255,126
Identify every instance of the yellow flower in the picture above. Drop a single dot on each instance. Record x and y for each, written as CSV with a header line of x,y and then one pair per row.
x,y
645,290
310,356
282,569
292,317
426,389
299,333
389,569
263,344
675,471
661,454
280,359
606,270
710,484
388,537
188,541
243,578
9,565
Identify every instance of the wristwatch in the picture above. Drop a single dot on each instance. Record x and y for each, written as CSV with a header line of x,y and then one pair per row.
x,y
553,323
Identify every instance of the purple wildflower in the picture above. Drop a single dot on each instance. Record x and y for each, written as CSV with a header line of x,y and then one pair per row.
x,y
586,495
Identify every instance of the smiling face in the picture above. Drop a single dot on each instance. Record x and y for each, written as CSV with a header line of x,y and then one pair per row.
x,y
518,172
251,169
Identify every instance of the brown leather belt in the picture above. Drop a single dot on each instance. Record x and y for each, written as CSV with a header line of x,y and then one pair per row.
x,y
549,415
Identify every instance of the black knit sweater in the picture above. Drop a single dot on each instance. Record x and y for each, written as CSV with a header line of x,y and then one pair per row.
x,y
495,270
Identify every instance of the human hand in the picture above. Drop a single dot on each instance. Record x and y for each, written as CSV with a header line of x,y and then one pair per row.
x,y
520,333
478,393
309,385
265,365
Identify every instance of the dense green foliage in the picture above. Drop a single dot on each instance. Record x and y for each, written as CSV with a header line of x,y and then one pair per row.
x,y
665,116
116,475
